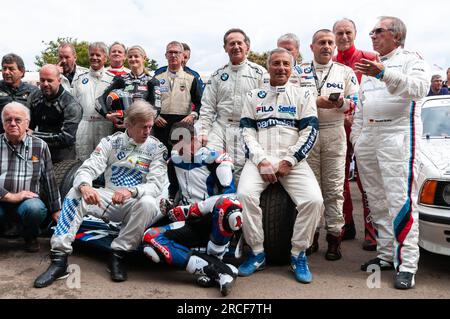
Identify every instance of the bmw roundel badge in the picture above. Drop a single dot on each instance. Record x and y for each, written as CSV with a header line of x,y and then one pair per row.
x,y
224,77
85,81
262,94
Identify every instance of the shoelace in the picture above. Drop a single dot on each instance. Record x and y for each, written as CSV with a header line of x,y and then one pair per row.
x,y
302,264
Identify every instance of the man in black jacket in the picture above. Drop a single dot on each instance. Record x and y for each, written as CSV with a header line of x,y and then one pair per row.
x,y
55,114
11,87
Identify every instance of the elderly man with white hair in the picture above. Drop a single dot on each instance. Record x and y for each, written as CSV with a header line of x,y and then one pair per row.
x,y
134,165
25,165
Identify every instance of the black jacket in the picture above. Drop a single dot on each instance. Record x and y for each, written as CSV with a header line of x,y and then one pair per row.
x,y
56,120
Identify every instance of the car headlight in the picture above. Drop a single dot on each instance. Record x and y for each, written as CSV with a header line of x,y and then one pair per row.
x,y
436,193
446,194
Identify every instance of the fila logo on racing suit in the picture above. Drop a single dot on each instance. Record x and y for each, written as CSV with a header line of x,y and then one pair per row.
x,y
264,109
335,86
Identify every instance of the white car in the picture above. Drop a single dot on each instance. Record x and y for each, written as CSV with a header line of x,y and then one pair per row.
x,y
434,176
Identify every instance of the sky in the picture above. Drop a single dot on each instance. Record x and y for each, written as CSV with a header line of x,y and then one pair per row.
x,y
26,25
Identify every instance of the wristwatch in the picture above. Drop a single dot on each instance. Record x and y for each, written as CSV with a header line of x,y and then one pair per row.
x,y
133,191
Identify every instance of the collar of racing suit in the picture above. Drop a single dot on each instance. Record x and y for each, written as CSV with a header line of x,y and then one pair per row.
x,y
129,140
278,89
237,67
96,74
390,54
346,55
321,67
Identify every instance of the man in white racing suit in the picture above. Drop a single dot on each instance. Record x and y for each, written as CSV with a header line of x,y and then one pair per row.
x,y
134,164
336,88
279,128
386,134
86,89
224,95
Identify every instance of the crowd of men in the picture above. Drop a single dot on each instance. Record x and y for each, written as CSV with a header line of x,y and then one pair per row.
x,y
220,144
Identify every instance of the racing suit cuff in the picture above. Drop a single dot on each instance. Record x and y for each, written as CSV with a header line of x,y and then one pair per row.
x,y
291,159
195,114
147,189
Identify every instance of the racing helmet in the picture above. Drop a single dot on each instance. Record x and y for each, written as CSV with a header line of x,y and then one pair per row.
x,y
119,100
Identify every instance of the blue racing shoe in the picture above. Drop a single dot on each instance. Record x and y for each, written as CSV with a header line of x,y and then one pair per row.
x,y
252,264
300,268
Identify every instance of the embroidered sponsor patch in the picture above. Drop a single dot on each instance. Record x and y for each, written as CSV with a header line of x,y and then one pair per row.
x,y
224,76
262,94
85,81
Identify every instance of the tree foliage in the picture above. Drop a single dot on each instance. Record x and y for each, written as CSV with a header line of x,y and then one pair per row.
x,y
50,54
258,58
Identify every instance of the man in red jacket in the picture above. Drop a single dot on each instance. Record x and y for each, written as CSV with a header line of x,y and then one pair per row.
x,y
345,32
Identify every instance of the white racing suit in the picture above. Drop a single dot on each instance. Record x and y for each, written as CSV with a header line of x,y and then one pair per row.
x,y
280,124
327,158
93,127
68,86
386,133
222,104
126,165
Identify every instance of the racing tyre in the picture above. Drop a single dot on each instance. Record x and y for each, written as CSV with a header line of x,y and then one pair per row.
x,y
279,215
64,174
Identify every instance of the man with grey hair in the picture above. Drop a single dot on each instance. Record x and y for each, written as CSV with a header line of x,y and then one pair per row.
x,y
336,88
25,167
347,54
67,57
86,89
11,87
290,42
279,127
117,57
386,133
436,87
134,164
55,114
223,98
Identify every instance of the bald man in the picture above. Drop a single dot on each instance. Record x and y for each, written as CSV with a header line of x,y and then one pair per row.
x,y
55,114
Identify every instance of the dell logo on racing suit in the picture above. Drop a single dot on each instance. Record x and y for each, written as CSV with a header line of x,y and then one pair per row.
x,y
264,109
335,86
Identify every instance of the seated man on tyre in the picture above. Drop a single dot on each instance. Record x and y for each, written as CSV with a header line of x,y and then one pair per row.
x,y
279,127
25,167
134,164
55,114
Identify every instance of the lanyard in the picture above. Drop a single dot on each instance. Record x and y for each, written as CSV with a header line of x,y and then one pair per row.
x,y
316,79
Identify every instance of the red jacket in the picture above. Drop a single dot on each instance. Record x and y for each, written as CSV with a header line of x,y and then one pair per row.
x,y
351,56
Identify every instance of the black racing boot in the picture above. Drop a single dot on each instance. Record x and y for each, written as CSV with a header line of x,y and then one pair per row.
x,y
404,280
116,266
214,269
315,245
56,270
334,248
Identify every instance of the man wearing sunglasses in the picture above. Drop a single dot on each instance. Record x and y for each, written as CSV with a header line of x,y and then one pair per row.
x,y
385,132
